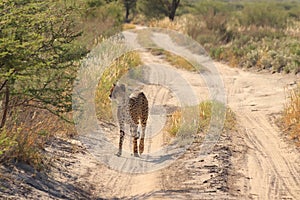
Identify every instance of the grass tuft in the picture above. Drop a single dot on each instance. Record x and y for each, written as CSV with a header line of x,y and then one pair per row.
x,y
291,115
174,123
205,114
174,60
128,26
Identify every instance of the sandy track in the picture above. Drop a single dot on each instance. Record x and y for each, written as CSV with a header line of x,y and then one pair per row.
x,y
148,185
272,165
270,169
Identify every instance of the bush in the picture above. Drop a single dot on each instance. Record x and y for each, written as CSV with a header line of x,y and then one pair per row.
x,y
99,20
249,34
22,146
263,14
276,55
50,39
27,134
215,16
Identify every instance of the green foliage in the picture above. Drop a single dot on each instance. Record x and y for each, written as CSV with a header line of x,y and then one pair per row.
x,y
130,7
263,14
6,142
97,21
185,7
41,43
274,54
211,7
151,9
38,52
214,17
216,53
158,9
95,3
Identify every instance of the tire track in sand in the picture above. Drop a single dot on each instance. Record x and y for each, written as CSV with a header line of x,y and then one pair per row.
x,y
272,166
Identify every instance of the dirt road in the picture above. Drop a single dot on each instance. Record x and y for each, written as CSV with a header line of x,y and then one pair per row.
x,y
253,162
272,165
189,177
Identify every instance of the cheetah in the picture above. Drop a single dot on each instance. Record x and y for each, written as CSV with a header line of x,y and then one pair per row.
x,y
132,110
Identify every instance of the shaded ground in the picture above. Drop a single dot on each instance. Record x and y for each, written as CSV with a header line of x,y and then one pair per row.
x,y
21,181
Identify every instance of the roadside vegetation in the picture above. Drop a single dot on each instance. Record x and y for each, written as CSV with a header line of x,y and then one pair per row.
x,y
173,59
260,35
41,44
204,110
291,116
110,76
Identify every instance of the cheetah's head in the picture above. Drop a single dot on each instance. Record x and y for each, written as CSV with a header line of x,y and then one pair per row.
x,y
117,92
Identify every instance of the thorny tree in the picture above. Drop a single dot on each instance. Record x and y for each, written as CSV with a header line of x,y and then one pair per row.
x,y
37,55
159,8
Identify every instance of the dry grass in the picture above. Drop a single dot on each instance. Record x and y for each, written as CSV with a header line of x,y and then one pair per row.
x,y
27,133
22,145
174,123
128,26
114,72
206,109
205,114
291,115
174,60
144,38
179,24
29,130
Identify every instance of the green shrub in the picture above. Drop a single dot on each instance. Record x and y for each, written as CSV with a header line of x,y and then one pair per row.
x,y
263,14
95,3
216,53
98,20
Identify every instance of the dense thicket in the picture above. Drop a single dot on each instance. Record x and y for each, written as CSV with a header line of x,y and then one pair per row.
x,y
41,44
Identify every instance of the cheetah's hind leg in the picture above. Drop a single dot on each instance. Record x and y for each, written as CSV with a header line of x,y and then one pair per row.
x,y
141,146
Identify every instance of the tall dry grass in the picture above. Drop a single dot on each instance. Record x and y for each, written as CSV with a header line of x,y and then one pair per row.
x,y
291,115
177,25
205,115
113,73
27,134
